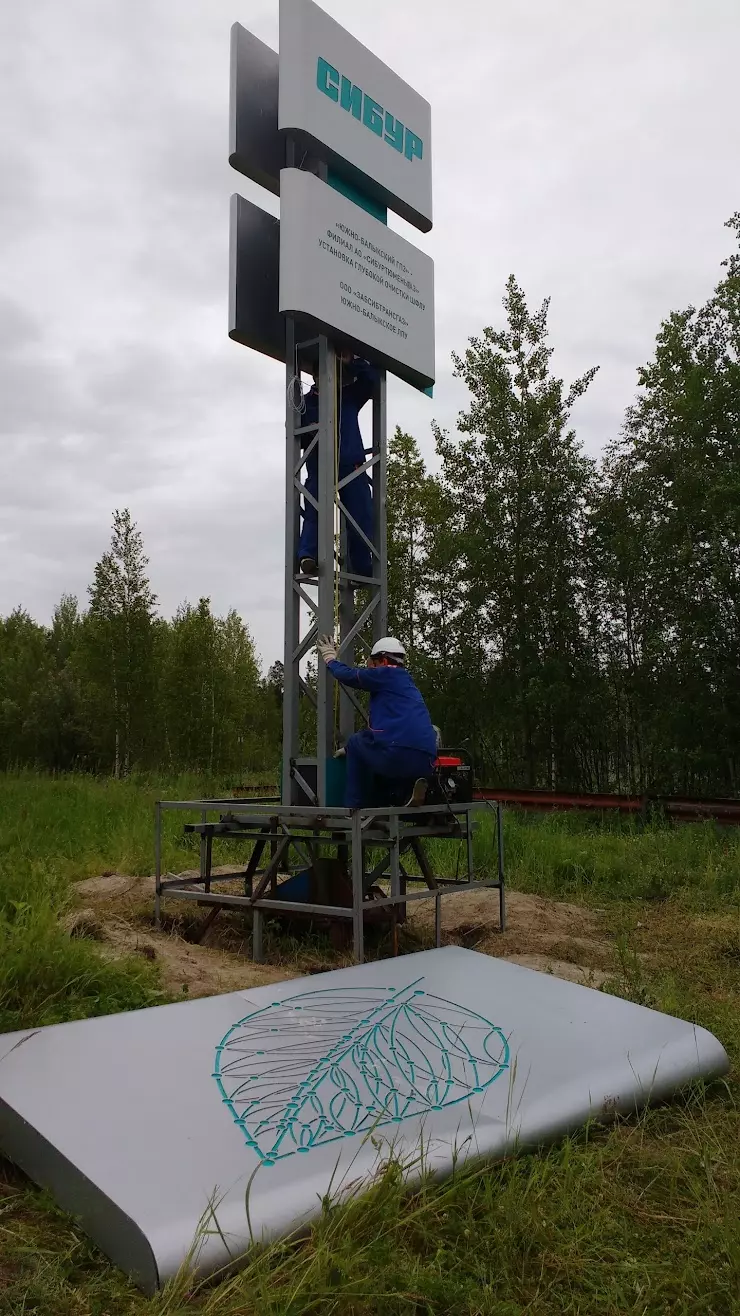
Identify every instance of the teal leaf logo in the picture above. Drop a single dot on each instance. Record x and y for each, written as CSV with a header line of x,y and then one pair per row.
x,y
325,1065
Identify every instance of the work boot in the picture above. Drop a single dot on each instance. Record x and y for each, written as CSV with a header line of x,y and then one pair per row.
x,y
418,794
309,566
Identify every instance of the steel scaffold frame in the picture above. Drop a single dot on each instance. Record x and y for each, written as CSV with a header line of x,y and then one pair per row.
x,y
327,604
266,824
334,602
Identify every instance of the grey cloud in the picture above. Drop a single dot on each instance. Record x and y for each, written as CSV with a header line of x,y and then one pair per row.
x,y
586,148
18,329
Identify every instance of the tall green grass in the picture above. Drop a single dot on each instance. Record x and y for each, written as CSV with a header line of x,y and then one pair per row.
x,y
597,1224
640,1219
47,977
614,859
604,859
82,826
53,832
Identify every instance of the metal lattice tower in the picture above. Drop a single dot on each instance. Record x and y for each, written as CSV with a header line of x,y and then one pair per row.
x,y
329,605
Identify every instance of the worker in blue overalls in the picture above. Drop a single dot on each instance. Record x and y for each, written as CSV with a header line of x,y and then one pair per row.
x,y
400,744
357,380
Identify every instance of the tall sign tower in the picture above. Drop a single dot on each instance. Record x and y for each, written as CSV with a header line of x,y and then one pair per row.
x,y
341,139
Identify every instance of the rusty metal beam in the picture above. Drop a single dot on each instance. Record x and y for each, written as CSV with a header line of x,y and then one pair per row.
x,y
679,808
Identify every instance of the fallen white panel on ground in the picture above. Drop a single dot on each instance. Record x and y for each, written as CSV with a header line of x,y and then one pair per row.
x,y
139,1122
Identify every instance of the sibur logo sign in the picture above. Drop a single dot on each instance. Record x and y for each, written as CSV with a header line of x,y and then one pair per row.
x,y
357,102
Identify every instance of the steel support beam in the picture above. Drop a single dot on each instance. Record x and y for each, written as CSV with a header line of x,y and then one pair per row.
x,y
352,836
291,674
380,493
341,603
328,435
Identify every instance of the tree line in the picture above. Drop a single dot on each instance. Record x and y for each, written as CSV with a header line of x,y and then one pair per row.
x,y
574,622
116,687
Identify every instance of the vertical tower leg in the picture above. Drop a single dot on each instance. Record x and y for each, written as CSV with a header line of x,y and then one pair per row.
x,y
347,647
337,587
327,564
291,675
380,494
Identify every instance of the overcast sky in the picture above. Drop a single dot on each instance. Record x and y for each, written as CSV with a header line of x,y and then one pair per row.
x,y
591,147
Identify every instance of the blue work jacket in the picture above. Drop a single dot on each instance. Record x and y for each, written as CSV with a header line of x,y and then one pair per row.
x,y
355,394
398,714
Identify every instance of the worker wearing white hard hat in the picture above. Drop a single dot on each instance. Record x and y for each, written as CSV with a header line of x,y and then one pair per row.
x,y
400,743
389,648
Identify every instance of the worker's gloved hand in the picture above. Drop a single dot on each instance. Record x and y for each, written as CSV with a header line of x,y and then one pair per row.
x,y
327,648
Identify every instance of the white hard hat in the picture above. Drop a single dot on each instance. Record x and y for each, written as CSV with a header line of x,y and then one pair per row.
x,y
393,648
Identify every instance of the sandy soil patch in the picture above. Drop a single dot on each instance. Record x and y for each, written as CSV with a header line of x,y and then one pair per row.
x,y
551,936
548,935
117,912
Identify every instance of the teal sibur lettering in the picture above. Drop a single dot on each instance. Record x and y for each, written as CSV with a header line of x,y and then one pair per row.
x,y
351,98
394,131
327,79
362,107
414,146
372,116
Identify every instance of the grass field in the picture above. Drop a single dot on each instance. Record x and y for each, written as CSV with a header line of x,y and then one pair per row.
x,y
640,1218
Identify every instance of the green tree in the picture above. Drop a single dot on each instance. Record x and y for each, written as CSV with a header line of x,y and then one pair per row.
x,y
517,487
116,650
212,694
24,671
189,687
240,696
669,531
59,705
408,528
423,594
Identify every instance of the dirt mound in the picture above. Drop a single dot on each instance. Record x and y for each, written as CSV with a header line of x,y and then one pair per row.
x,y
548,935
108,886
186,968
117,914
530,915
126,894
562,969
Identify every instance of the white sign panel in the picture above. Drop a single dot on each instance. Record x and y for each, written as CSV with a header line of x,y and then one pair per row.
x,y
245,1111
355,278
374,127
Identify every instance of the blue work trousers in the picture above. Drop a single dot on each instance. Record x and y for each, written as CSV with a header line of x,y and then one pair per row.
x,y
357,498
370,762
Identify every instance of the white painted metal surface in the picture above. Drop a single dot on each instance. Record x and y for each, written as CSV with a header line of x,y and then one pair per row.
x,y
351,275
336,94
138,1122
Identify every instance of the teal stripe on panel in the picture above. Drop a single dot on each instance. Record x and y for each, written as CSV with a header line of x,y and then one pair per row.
x,y
354,194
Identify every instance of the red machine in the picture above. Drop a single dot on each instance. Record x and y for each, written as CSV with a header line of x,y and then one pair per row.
x,y
452,782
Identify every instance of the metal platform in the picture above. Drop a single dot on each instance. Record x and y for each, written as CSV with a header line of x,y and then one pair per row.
x,y
368,847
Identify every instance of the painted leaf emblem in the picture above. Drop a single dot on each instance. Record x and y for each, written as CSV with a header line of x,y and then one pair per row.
x,y
332,1064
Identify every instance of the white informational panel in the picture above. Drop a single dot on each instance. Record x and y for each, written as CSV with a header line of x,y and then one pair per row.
x,y
338,96
144,1123
355,278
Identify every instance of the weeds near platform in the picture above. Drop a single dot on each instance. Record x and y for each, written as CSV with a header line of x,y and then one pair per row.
x,y
638,1218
